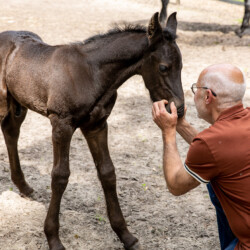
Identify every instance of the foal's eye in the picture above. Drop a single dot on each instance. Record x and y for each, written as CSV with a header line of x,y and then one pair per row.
x,y
163,68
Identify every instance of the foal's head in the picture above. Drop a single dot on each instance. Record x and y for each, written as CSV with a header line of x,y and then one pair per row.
x,y
161,67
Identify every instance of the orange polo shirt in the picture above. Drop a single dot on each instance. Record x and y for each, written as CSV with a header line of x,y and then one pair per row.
x,y
221,155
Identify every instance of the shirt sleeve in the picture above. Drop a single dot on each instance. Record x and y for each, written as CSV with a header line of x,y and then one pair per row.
x,y
200,162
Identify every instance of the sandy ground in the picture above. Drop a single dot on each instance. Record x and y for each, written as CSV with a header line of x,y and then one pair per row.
x,y
158,219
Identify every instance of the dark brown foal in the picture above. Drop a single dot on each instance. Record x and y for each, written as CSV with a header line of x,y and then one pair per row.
x,y
75,86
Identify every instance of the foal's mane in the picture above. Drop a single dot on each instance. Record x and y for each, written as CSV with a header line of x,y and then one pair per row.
x,y
131,28
118,29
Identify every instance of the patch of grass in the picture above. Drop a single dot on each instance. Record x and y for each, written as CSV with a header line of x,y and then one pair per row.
x,y
100,218
239,20
142,138
144,186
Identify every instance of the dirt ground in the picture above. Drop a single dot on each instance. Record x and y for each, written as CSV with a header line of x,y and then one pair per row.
x,y
157,218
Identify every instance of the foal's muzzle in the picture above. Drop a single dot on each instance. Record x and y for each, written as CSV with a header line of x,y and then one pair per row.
x,y
180,110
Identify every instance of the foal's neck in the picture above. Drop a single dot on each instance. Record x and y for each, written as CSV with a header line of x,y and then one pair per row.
x,y
118,57
112,59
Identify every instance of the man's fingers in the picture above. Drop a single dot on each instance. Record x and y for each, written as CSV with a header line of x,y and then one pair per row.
x,y
158,106
162,105
173,108
161,117
155,108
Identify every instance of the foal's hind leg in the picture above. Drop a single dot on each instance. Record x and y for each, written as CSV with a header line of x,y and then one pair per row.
x,y
11,127
246,18
163,13
61,137
97,141
245,23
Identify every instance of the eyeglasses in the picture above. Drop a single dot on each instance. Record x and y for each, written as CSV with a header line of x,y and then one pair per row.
x,y
194,89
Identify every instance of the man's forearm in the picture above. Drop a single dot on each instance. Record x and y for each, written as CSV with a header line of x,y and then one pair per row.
x,y
187,131
171,162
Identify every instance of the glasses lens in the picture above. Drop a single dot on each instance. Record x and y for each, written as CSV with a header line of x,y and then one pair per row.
x,y
193,88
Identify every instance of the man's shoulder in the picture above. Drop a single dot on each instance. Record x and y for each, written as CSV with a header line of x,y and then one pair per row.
x,y
206,133
221,129
209,135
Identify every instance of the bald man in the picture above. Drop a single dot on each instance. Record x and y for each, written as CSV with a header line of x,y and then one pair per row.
x,y
218,156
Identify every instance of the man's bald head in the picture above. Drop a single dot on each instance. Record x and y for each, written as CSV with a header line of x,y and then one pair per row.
x,y
226,80
228,71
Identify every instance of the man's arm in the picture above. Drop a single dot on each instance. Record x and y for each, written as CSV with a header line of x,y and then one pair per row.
x,y
185,129
178,180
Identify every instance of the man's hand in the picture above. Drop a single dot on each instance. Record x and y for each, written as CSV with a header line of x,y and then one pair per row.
x,y
166,122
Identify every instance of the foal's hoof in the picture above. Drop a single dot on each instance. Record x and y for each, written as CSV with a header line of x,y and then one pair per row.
x,y
26,191
241,32
61,247
56,245
238,32
136,246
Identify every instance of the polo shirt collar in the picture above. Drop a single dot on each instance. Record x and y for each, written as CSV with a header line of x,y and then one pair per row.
x,y
230,112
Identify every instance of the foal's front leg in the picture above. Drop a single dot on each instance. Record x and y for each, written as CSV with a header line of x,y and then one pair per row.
x,y
97,141
61,137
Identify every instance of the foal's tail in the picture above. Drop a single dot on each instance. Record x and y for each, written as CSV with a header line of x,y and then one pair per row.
x,y
6,48
3,99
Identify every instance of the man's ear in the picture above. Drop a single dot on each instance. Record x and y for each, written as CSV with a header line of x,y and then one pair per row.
x,y
208,96
154,29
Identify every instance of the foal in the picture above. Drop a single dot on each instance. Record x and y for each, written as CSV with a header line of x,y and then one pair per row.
x,y
75,86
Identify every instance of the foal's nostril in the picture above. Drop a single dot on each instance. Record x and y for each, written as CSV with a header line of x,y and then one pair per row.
x,y
180,111
181,108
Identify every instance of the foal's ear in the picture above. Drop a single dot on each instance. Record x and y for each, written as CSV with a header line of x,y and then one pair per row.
x,y
172,23
154,28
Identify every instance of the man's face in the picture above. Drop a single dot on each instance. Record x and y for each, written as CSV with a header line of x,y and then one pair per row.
x,y
199,100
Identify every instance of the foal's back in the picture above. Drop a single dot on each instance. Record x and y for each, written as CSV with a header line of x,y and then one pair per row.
x,y
39,76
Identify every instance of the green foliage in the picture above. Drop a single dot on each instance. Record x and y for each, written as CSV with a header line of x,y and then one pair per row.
x,y
239,20
144,186
100,218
